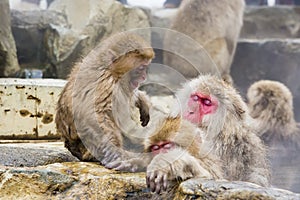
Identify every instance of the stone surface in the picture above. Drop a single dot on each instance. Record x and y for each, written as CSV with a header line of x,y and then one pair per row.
x,y
97,21
32,31
27,108
34,154
79,180
271,22
8,57
268,59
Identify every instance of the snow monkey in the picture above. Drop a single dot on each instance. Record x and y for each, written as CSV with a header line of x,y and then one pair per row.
x,y
219,111
215,25
106,79
271,105
173,153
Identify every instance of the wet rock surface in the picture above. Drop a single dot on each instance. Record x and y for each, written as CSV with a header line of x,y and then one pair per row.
x,y
79,180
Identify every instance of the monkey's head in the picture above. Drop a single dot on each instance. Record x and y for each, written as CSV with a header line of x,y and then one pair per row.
x,y
269,100
173,132
162,139
209,102
129,53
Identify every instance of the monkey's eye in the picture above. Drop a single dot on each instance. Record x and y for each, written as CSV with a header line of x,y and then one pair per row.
x,y
207,102
195,97
168,145
154,148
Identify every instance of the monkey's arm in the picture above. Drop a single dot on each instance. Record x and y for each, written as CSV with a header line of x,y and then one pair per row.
x,y
173,165
143,104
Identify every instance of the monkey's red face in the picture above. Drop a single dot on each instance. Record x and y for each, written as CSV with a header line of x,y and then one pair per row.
x,y
161,147
199,105
138,75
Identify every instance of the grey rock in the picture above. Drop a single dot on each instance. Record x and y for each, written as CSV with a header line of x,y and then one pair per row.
x,y
8,56
80,180
31,154
31,30
271,22
268,59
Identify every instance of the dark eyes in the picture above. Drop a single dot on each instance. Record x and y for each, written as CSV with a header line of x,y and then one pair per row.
x,y
205,101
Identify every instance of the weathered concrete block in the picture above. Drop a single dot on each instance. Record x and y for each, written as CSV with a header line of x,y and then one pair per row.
x,y
268,59
27,108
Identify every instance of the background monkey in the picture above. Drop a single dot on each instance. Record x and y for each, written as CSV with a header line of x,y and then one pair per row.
x,y
271,105
215,25
219,111
85,115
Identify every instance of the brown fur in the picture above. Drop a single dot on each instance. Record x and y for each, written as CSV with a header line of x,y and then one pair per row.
x,y
186,160
271,106
213,24
85,117
227,131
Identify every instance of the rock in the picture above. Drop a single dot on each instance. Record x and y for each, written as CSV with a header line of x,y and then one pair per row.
x,y
79,180
73,180
268,59
8,57
271,22
210,190
34,154
97,21
31,30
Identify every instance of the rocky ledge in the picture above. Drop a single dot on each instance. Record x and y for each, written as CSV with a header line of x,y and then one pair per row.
x,y
38,179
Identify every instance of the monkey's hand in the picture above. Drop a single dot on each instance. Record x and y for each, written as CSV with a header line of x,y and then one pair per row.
x,y
137,164
177,164
143,104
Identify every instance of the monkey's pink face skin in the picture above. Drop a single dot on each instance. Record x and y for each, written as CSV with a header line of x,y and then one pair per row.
x,y
161,147
199,105
138,75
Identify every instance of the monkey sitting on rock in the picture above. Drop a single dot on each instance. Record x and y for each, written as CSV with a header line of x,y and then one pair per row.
x,y
219,111
104,81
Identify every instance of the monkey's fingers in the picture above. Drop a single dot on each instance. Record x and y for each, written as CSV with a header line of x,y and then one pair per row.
x,y
159,182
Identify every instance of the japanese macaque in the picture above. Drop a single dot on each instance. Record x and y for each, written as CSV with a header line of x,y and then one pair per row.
x,y
271,106
213,24
177,154
101,85
219,111
173,152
